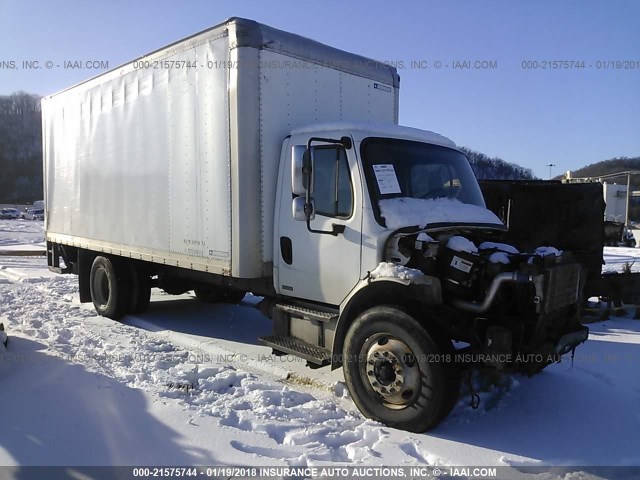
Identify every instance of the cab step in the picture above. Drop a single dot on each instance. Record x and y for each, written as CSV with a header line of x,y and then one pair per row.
x,y
308,313
318,356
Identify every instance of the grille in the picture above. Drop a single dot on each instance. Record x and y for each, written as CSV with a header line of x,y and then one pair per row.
x,y
562,286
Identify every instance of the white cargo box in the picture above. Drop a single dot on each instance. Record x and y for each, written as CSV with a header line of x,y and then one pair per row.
x,y
173,158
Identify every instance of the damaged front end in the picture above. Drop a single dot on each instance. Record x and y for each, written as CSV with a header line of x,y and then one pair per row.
x,y
516,311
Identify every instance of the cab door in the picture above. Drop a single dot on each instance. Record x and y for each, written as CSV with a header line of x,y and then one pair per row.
x,y
320,267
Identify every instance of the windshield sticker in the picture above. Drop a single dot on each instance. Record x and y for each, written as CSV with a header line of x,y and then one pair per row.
x,y
386,178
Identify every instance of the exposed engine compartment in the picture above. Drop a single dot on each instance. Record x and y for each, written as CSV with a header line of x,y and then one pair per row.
x,y
504,299
468,266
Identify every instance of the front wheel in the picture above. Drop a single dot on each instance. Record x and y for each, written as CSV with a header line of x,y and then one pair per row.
x,y
397,372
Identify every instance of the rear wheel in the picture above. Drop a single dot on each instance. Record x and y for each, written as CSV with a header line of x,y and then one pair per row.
x,y
110,286
397,372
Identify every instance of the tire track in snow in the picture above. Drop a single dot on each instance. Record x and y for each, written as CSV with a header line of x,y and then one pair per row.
x,y
302,422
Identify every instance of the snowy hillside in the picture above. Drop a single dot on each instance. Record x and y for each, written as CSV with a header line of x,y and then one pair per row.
x,y
187,384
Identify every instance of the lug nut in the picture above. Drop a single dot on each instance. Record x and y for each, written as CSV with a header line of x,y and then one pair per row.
x,y
407,394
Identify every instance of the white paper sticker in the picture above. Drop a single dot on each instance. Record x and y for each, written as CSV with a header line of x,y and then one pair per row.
x,y
461,264
386,178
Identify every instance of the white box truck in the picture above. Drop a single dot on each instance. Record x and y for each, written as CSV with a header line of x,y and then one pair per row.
x,y
245,158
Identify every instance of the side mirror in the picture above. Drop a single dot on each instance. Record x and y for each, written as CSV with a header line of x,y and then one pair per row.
x,y
300,165
299,209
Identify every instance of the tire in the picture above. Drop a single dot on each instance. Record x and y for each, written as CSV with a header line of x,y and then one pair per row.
x,y
217,294
110,286
397,372
140,289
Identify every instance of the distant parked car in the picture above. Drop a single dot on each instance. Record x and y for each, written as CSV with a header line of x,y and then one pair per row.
x,y
35,215
9,214
616,234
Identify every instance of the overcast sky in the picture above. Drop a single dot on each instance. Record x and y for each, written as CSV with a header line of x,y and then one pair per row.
x,y
533,117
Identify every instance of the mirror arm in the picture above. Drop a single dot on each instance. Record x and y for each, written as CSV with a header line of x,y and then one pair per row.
x,y
344,141
336,229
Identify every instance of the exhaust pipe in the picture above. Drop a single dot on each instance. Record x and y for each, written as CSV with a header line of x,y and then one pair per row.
x,y
475,307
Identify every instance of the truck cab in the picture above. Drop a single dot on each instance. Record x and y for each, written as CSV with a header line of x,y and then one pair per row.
x,y
385,254
374,187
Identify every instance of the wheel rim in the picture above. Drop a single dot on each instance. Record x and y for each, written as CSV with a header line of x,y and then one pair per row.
x,y
391,370
101,287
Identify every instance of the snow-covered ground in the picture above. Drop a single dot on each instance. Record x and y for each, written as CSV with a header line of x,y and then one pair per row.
x,y
21,232
187,384
618,259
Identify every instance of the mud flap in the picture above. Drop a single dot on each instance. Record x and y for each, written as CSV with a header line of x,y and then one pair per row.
x,y
85,259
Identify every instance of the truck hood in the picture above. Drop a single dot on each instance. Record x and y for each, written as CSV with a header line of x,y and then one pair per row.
x,y
406,212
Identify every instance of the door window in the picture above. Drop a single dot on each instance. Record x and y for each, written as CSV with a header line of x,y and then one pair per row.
x,y
332,191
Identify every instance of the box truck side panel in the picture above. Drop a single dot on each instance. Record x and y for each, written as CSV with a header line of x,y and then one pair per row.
x,y
244,114
295,93
140,162
199,160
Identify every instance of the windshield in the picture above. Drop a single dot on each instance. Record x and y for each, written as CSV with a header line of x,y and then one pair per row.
x,y
404,174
